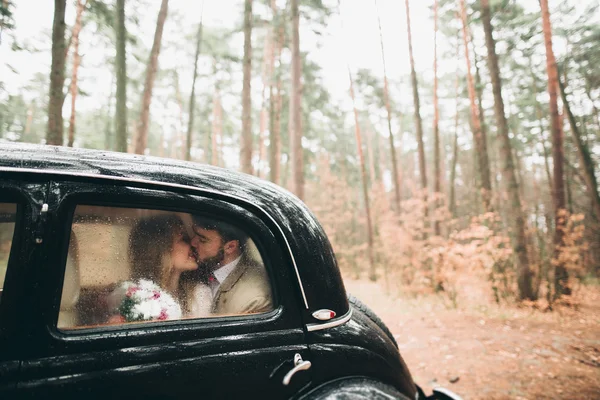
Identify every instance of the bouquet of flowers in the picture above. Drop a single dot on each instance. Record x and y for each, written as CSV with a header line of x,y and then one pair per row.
x,y
145,301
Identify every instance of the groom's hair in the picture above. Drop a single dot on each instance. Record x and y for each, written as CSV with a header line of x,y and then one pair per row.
x,y
227,231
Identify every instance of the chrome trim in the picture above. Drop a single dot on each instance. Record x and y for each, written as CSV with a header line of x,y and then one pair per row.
x,y
318,314
299,365
171,185
41,220
333,323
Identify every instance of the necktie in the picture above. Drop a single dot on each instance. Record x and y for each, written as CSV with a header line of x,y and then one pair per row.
x,y
213,283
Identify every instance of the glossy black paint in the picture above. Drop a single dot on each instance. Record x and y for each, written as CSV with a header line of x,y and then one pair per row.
x,y
29,196
255,351
363,349
314,256
220,358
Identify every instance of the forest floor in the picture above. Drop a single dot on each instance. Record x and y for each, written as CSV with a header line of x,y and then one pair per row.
x,y
491,352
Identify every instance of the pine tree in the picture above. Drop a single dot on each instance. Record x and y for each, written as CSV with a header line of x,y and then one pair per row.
x,y
121,72
54,133
508,170
152,68
246,146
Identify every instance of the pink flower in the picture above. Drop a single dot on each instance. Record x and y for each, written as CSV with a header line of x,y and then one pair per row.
x,y
131,291
156,295
163,315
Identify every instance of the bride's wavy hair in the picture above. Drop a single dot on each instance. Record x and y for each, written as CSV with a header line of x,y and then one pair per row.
x,y
150,246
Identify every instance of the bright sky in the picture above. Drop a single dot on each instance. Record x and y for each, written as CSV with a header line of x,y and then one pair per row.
x,y
355,42
358,40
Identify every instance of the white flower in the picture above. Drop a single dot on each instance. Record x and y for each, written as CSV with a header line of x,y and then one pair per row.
x,y
150,302
148,309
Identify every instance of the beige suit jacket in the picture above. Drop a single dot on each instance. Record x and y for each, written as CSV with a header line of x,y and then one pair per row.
x,y
245,291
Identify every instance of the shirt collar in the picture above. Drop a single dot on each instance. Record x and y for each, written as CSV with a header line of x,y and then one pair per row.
x,y
223,272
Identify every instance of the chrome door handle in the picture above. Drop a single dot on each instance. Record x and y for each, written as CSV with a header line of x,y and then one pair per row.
x,y
299,365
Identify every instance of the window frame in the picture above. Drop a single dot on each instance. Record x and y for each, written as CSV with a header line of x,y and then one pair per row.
x,y
286,308
11,252
11,277
28,195
166,322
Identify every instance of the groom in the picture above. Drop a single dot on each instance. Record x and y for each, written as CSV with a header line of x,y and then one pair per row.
x,y
238,284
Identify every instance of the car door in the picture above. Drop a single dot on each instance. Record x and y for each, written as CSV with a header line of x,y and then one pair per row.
x,y
20,211
226,356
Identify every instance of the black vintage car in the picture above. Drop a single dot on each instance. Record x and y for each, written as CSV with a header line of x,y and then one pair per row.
x,y
68,219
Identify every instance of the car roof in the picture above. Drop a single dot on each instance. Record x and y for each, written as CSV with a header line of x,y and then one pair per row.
x,y
306,239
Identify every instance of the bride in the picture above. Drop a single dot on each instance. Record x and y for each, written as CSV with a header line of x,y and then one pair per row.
x,y
160,252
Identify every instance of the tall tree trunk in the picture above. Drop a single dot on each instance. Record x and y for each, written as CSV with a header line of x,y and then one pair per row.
x,y
190,127
519,171
524,276
216,128
452,199
108,135
76,60
267,85
371,156
262,133
246,145
381,157
54,134
436,118
482,123
297,162
585,159
275,98
546,156
478,135
395,173
363,170
276,135
479,96
560,275
539,116
142,132
568,191
181,151
121,72
275,102
418,121
452,195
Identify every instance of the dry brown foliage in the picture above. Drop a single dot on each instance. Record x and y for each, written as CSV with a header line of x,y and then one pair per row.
x,y
470,262
467,262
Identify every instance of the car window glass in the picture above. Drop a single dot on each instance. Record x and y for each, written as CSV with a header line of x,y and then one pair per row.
x,y
128,265
8,212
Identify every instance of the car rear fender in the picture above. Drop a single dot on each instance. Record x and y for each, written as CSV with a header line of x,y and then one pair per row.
x,y
354,388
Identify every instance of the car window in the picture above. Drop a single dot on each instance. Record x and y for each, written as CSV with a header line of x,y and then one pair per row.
x,y
127,265
8,213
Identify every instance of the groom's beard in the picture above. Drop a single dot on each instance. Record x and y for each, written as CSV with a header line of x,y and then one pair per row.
x,y
212,263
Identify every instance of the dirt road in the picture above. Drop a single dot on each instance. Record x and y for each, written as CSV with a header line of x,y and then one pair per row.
x,y
488,352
